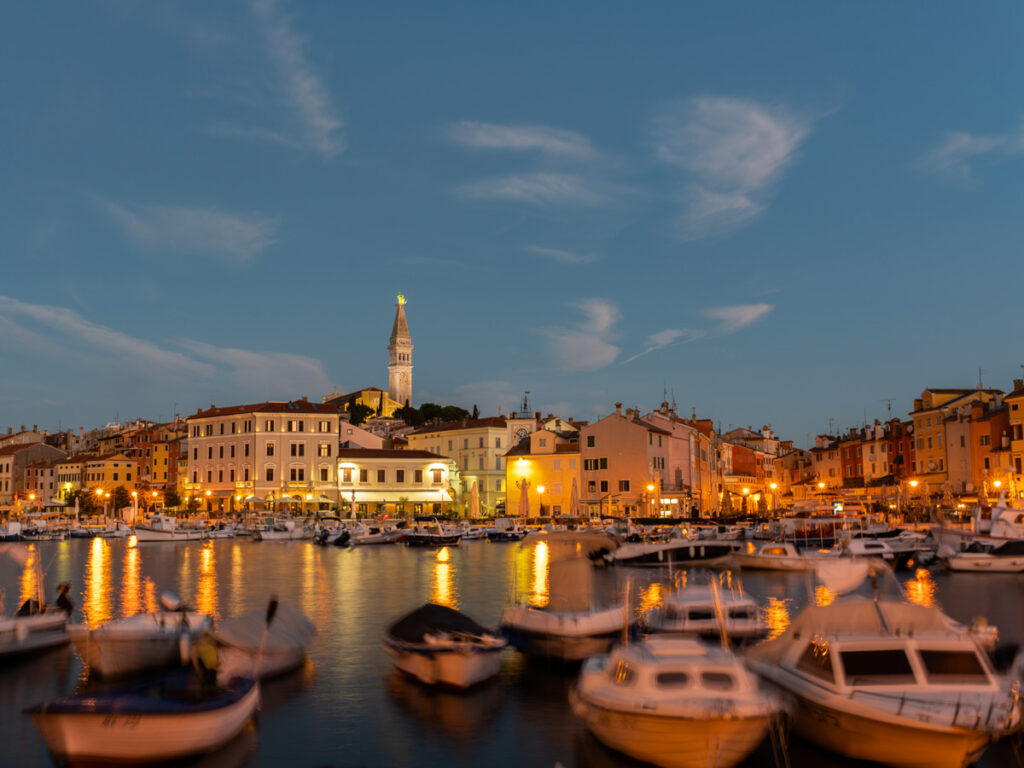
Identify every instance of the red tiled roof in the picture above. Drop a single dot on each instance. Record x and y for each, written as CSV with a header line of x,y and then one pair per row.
x,y
294,406
385,453
449,426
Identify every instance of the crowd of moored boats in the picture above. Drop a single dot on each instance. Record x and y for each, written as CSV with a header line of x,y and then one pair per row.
x,y
694,682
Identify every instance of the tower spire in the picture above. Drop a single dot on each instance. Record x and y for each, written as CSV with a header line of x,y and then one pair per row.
x,y
400,356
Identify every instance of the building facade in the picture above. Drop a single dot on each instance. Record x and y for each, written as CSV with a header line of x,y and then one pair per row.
x,y
394,482
549,464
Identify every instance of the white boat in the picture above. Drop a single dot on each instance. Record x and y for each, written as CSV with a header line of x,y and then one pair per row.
x,y
471,532
440,646
26,634
364,533
676,551
1007,557
779,556
142,641
989,525
570,627
285,647
692,610
889,681
223,531
10,531
283,530
675,703
166,528
146,722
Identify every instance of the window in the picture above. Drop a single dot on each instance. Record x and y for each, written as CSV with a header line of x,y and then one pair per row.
x,y
220,452
497,442
220,476
953,667
877,667
449,445
590,441
232,451
363,475
497,463
929,442
270,474
572,464
325,449
604,486
269,425
985,440
556,465
481,443
963,442
298,474
603,463
270,449
323,474
817,660
209,475
209,452
623,485
543,442
324,426
399,475
245,450
465,443
437,476
717,681
298,449
346,475
672,680
245,474
380,475
195,454
418,476
480,463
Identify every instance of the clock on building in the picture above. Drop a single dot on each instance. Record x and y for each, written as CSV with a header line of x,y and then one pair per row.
x,y
521,433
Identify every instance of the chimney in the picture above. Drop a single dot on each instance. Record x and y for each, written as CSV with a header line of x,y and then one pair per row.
x,y
10,430
1018,384
22,427
536,415
35,427
629,413
618,409
305,398
918,403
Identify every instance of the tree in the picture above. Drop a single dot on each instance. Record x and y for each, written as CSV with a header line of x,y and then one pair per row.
x,y
120,499
171,499
86,501
410,416
476,412
358,412
380,407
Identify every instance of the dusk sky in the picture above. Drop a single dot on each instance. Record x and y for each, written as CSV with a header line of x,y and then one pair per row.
x,y
781,213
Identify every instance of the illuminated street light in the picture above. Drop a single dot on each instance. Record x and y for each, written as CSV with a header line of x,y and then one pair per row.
x,y
913,483
998,483
821,485
773,486
746,491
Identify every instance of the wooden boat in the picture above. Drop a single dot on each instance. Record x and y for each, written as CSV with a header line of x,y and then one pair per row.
x,y
172,718
440,646
139,642
691,610
571,626
283,530
285,648
891,682
675,703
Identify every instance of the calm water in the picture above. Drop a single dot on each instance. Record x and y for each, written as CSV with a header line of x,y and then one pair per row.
x,y
347,707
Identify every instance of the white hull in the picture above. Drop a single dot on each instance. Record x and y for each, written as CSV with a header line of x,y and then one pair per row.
x,y
104,736
971,562
142,533
27,634
455,668
772,562
238,662
566,636
139,643
296,535
376,538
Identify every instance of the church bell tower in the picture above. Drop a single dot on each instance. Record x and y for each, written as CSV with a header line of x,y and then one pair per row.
x,y
400,357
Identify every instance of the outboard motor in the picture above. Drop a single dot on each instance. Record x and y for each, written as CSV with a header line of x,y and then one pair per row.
x,y
343,538
170,601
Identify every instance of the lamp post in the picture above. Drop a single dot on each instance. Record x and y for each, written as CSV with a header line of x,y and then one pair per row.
x,y
540,499
135,506
650,499
775,501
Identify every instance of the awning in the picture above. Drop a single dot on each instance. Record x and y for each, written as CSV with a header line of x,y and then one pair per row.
x,y
394,497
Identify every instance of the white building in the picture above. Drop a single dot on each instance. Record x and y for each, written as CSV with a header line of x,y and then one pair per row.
x,y
395,482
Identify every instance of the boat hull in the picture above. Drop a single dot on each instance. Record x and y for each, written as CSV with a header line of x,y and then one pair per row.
x,y
454,668
656,555
673,742
900,744
28,634
123,735
569,637
144,534
112,653
236,662
431,540
973,563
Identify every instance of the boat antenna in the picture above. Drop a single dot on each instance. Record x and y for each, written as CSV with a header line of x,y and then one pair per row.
x,y
625,625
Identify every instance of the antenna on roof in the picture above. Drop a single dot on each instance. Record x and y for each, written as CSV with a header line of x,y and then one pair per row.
x,y
888,403
980,385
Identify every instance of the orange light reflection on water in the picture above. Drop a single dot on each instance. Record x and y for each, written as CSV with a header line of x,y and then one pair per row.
x,y
776,615
206,592
97,607
442,590
29,584
652,597
921,588
823,596
131,590
539,594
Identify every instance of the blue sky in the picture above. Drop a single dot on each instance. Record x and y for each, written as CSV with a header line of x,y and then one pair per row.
x,y
784,214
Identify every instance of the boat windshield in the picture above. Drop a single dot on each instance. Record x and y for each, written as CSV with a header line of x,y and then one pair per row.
x,y
741,613
885,667
717,681
817,660
953,667
773,551
672,679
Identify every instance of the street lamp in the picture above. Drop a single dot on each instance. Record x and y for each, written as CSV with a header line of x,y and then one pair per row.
x,y
775,503
821,485
540,498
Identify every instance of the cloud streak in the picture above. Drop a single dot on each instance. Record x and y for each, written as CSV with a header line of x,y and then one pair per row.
x,y
732,152
194,230
955,152
560,255
586,346
737,317
537,188
667,338
551,142
63,329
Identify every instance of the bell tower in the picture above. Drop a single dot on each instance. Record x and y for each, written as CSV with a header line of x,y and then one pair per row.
x,y
400,357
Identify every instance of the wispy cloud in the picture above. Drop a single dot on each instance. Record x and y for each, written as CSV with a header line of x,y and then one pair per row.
x,y
193,230
954,153
732,151
539,188
561,255
734,318
666,338
586,345
552,142
251,372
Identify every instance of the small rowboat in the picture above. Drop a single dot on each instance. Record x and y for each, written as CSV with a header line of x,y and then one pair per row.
x,y
284,646
171,718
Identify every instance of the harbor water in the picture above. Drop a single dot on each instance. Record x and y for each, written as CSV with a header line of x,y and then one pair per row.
x,y
347,707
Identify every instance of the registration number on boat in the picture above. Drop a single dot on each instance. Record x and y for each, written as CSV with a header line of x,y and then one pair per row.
x,y
129,722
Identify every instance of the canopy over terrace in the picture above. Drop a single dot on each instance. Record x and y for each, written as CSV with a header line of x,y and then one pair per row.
x,y
407,502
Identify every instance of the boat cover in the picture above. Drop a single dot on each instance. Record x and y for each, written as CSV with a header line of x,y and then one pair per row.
x,y
176,693
431,619
289,629
1009,549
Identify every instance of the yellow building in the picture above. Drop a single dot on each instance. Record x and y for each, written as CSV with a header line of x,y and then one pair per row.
x,y
549,463
107,471
1015,400
372,397
929,416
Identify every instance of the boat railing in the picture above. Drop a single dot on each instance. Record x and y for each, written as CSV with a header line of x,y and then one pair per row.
x,y
977,711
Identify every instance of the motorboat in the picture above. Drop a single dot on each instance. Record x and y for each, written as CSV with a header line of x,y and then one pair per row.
x,y
869,548
167,528
693,610
1007,557
779,556
889,681
512,533
675,703
330,532
675,551
143,641
364,533
570,626
283,530
441,646
24,634
10,531
284,647
471,532
173,717
989,525
436,535
224,530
